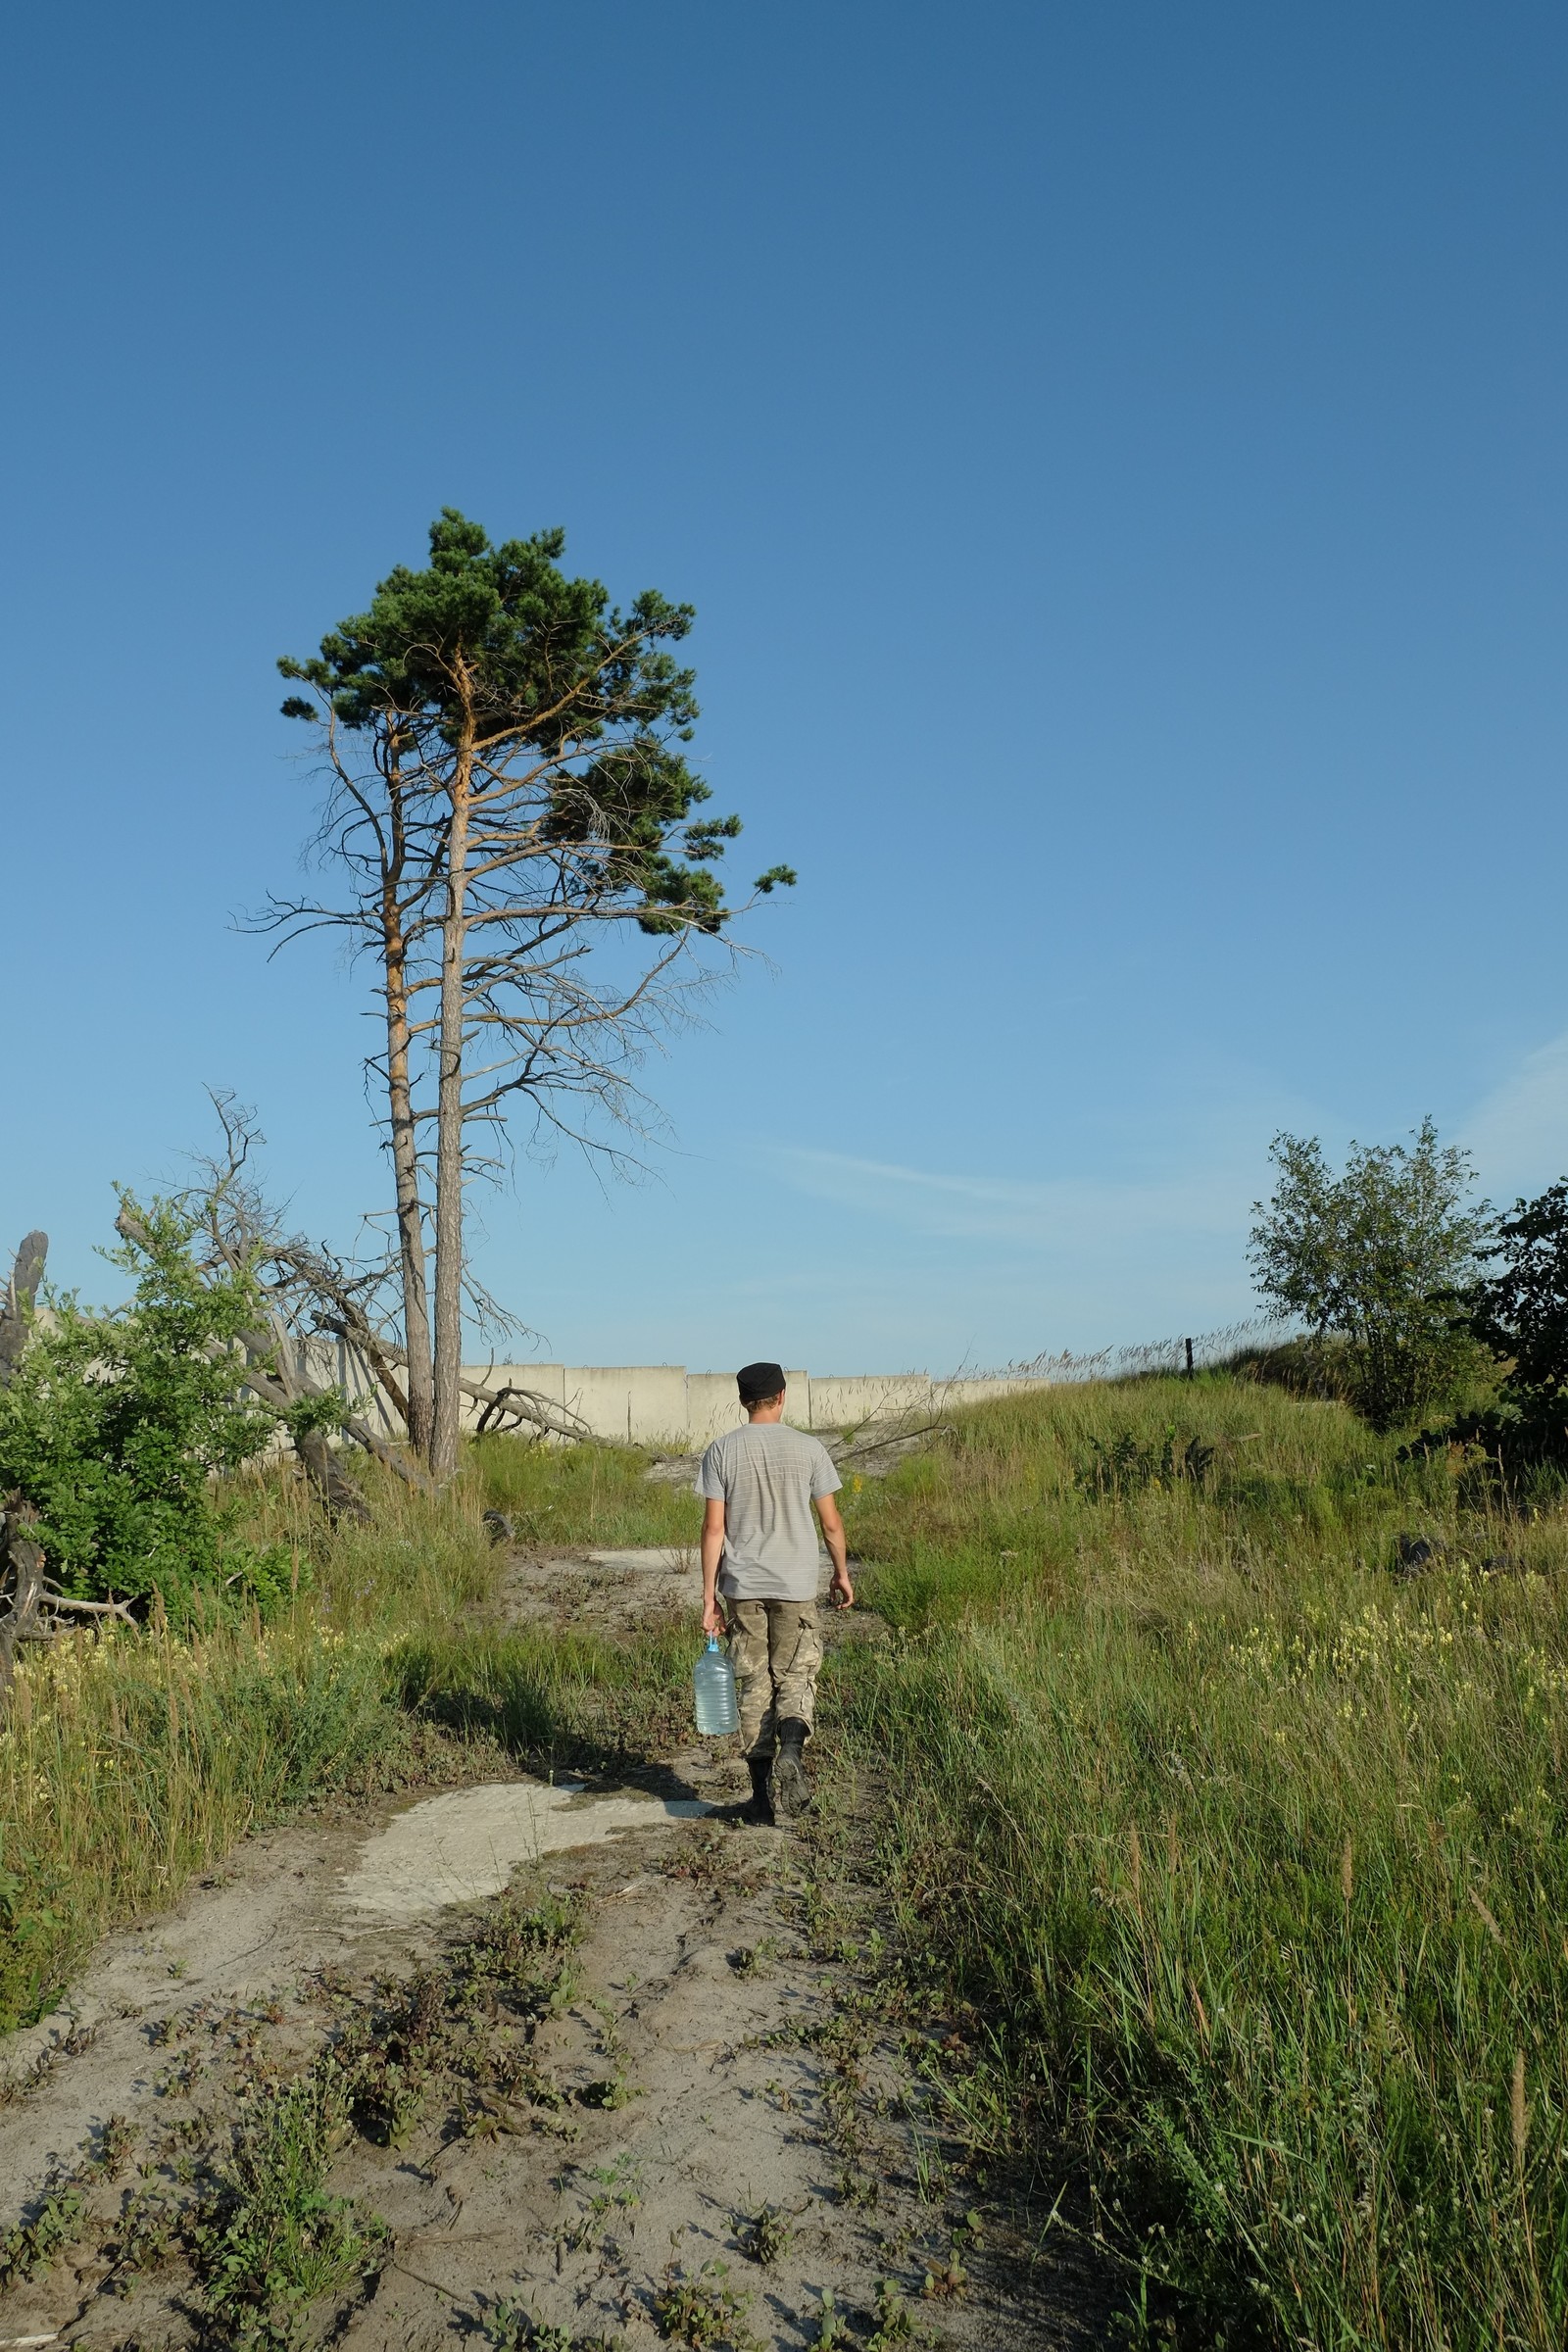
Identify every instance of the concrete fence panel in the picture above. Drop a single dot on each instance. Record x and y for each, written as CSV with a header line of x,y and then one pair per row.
x,y
664,1405
845,1400
636,1404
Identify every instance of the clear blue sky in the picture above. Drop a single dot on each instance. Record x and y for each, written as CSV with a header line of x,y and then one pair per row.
x,y
1117,457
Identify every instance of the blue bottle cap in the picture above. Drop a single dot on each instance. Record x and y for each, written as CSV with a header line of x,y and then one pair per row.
x,y
712,1640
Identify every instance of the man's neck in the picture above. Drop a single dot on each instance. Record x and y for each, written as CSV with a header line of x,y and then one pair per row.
x,y
759,1415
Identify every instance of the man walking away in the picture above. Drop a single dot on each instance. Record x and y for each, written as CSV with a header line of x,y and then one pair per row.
x,y
759,1484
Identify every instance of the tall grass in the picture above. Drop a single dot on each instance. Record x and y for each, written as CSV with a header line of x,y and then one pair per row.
x,y
132,1758
551,1698
1255,1856
584,1494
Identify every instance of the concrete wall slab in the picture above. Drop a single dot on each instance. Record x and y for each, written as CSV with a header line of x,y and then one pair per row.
x,y
636,1404
844,1401
666,1406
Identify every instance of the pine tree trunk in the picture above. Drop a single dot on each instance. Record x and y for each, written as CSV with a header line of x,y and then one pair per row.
x,y
405,1175
448,1125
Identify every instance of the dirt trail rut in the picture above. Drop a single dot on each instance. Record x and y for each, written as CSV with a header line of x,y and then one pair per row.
x,y
653,2093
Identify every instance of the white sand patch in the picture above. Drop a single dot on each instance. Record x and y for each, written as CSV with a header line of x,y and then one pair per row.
x,y
463,1846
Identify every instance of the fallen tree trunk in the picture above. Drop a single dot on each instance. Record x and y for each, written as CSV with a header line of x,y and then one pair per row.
x,y
63,1602
279,1391
526,1404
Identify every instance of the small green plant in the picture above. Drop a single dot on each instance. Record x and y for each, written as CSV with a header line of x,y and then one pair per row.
x,y
273,2241
859,2189
512,2328
945,2279
517,1955
701,2311
391,2062
112,2150
148,2226
895,2322
1125,1465
29,2249
619,2187
766,2236
609,2093
755,1959
833,2329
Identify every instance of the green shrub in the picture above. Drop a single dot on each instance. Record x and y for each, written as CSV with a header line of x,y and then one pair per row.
x,y
1378,1257
115,1423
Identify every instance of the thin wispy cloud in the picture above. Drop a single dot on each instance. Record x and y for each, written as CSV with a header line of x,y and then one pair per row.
x,y
1003,1265
1054,1214
1518,1133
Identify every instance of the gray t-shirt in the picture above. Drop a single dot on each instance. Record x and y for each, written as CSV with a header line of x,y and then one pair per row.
x,y
767,1476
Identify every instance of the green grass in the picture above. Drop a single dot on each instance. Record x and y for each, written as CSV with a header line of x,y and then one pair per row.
x,y
131,1761
1256,1858
550,1699
587,1495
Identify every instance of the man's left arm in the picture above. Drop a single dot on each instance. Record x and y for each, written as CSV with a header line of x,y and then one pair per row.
x,y
840,1588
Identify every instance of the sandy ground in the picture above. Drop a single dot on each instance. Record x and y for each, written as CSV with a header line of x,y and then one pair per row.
x,y
718,2076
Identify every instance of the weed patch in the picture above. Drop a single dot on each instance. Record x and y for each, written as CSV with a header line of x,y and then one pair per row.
x,y
272,2242
1254,1860
699,2310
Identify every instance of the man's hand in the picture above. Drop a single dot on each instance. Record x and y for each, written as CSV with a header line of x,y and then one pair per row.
x,y
840,1590
712,1616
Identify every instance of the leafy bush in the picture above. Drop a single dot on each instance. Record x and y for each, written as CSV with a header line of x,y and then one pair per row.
x,y
1380,1256
1121,1464
1518,1443
115,1421
1521,1310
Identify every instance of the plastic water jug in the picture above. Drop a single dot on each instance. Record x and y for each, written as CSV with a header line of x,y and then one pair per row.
x,y
713,1680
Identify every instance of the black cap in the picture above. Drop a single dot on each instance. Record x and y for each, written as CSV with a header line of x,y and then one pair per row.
x,y
759,1381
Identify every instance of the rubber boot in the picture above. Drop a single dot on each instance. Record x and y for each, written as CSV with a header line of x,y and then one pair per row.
x,y
759,1811
792,1790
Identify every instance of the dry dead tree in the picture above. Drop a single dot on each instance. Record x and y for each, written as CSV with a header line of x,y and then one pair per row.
x,y
311,1294
21,1564
507,798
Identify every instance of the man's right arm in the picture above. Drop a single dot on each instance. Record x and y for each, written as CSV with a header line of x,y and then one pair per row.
x,y
712,1553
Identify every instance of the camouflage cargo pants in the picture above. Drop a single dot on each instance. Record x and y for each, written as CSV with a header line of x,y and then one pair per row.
x,y
775,1648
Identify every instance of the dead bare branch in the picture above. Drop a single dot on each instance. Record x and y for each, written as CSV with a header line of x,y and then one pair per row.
x,y
21,1297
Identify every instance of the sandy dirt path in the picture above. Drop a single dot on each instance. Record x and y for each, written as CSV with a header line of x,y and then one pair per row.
x,y
698,2116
